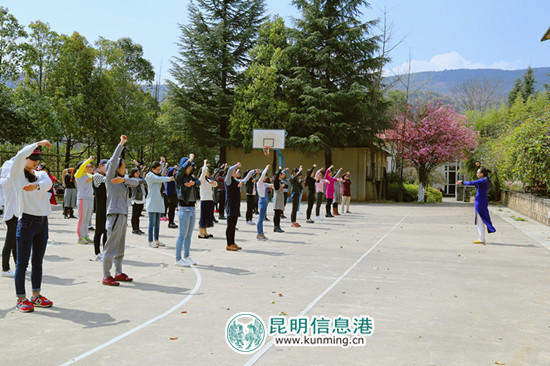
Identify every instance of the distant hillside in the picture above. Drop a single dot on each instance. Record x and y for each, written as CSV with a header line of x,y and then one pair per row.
x,y
442,82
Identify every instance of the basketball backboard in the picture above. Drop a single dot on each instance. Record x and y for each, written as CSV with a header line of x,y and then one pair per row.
x,y
273,139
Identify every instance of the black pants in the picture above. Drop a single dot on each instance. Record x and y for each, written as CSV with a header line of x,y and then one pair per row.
x,y
319,203
295,203
172,204
136,211
100,231
250,203
10,245
310,203
230,231
221,206
285,195
277,218
329,204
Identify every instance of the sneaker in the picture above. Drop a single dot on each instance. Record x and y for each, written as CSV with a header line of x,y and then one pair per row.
x,y
300,213
153,244
51,242
136,232
250,223
8,273
88,239
259,237
190,261
123,277
164,219
310,221
295,224
91,228
231,248
41,302
182,263
110,281
329,215
172,226
24,306
82,241
98,257
160,244
141,232
278,230
318,218
264,238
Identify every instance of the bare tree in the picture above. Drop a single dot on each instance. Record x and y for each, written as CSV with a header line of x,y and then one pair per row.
x,y
478,94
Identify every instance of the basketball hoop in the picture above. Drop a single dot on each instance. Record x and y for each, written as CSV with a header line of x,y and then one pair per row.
x,y
265,149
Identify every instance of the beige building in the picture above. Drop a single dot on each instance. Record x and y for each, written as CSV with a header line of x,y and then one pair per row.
x,y
365,166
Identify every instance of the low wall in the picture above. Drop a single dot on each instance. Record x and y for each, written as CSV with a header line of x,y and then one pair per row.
x,y
537,208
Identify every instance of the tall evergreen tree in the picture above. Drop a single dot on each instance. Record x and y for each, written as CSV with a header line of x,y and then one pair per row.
x,y
528,87
332,84
213,52
516,90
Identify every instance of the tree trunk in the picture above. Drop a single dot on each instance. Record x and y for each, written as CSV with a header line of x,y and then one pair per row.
x,y
423,180
328,158
68,147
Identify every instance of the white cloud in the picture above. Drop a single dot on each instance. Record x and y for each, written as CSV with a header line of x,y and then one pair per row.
x,y
450,61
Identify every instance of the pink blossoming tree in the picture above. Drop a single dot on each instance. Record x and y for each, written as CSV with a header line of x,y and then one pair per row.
x,y
427,136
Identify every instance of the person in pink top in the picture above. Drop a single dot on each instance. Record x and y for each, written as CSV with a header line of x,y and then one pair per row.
x,y
320,189
330,188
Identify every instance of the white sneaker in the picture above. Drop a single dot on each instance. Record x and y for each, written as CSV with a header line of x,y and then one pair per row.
x,y
299,212
153,244
8,273
159,244
182,263
318,218
190,261
98,257
250,223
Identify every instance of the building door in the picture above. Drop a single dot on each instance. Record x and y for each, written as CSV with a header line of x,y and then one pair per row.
x,y
451,171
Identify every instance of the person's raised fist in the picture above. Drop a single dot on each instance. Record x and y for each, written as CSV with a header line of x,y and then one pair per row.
x,y
44,143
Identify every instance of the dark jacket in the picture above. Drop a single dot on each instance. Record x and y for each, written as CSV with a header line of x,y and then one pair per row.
x,y
184,192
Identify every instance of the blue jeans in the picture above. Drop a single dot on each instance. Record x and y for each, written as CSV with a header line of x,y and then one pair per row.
x,y
154,223
262,205
31,236
186,216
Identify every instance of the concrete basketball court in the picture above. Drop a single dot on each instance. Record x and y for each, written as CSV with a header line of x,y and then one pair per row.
x,y
436,299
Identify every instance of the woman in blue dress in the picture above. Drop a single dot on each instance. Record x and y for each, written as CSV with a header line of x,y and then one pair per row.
x,y
481,205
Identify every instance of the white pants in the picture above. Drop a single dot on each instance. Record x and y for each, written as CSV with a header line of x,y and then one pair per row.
x,y
480,227
345,201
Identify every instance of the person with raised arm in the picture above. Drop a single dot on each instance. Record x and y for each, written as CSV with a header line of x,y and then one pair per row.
x,y
32,206
296,184
482,217
100,235
117,184
85,199
207,202
263,202
320,189
186,185
310,183
233,203
154,203
278,199
330,188
346,192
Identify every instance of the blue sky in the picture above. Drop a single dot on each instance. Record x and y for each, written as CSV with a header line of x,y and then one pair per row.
x,y
436,34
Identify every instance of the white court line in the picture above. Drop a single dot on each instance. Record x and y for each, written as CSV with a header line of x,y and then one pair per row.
x,y
261,352
141,326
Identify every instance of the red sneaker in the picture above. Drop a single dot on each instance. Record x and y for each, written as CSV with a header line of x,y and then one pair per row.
x,y
123,277
295,224
41,302
24,306
110,281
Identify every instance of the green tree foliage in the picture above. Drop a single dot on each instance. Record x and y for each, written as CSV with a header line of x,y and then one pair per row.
x,y
214,48
331,86
523,87
260,101
11,32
